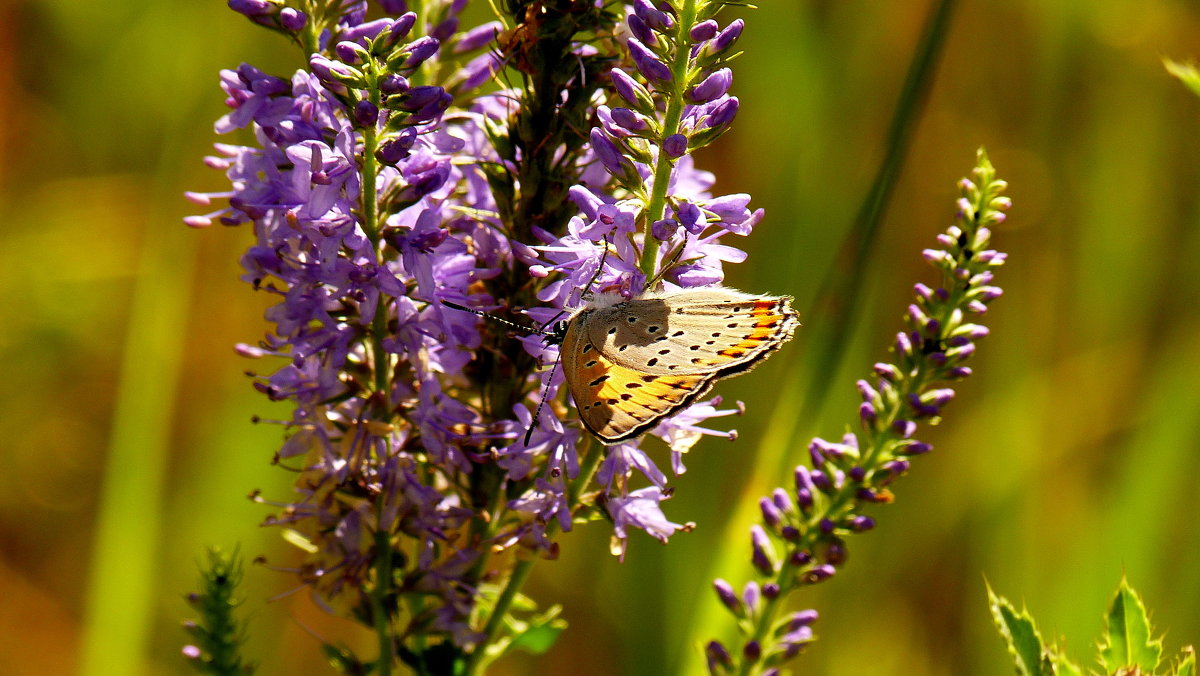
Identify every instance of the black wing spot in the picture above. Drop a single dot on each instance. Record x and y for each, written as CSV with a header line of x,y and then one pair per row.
x,y
710,342
632,386
737,309
598,380
587,347
672,367
694,348
653,328
625,396
665,350
677,334
631,319
649,379
732,325
660,339
652,361
622,348
697,360
591,363
612,402
612,331
716,334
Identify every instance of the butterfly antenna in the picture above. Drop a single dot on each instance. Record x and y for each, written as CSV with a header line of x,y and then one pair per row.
x,y
545,390
536,330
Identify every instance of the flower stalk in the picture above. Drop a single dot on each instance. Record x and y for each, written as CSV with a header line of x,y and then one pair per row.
x,y
394,180
810,524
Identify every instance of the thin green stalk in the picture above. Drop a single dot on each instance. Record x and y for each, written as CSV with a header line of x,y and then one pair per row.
x,y
383,545
664,164
523,568
383,579
843,284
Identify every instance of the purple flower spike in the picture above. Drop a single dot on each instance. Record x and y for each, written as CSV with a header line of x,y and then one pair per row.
x,y
647,63
675,145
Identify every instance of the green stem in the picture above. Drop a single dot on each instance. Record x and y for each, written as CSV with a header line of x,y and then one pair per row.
x,y
383,578
521,571
663,165
838,296
382,373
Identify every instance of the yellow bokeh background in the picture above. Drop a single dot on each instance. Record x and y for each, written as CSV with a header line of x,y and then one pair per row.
x,y
1071,458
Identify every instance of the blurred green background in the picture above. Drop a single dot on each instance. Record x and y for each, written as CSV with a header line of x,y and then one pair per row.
x,y
1071,458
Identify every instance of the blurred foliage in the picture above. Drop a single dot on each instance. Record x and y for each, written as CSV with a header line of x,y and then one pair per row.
x,y
1070,458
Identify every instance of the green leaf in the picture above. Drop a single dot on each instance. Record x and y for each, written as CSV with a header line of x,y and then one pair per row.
x,y
1187,73
1186,666
1021,634
541,632
1127,641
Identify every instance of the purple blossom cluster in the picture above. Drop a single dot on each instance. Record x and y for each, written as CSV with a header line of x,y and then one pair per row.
x,y
390,180
802,537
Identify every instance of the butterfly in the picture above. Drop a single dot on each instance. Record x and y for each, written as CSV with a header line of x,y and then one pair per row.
x,y
629,364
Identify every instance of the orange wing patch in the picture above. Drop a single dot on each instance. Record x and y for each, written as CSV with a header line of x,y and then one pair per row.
x,y
767,316
616,403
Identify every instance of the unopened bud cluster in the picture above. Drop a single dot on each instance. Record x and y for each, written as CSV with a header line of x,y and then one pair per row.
x,y
802,537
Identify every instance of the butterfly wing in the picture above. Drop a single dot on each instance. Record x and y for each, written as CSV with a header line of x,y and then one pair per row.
x,y
713,331
617,403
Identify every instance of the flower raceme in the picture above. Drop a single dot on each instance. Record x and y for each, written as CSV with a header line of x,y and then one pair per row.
x,y
409,168
802,537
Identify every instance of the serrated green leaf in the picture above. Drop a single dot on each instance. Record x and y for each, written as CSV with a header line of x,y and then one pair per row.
x,y
1128,638
1186,666
1061,666
1187,73
1021,634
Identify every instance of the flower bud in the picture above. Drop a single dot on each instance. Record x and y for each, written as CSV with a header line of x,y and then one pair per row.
x,y
713,87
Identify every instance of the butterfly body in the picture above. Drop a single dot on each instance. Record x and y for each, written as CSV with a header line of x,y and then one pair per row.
x,y
631,363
